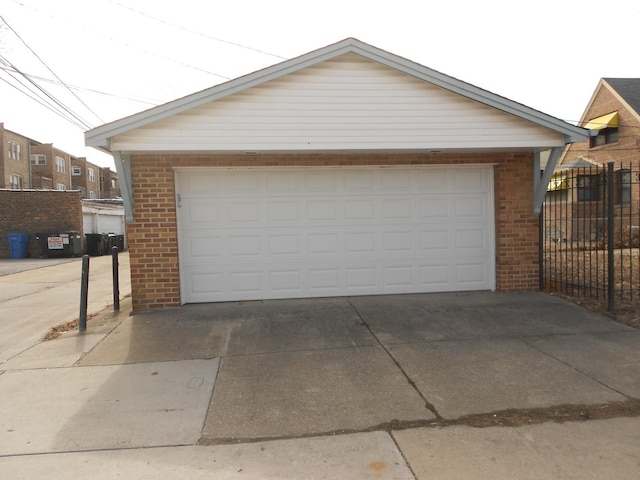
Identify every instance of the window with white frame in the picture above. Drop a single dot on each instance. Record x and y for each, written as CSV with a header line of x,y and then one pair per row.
x,y
38,159
92,194
15,150
15,181
76,171
92,174
61,186
60,165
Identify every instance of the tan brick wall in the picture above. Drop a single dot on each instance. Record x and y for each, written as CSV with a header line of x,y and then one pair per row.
x,y
153,236
11,166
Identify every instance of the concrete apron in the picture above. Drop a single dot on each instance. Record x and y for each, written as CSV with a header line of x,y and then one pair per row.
x,y
302,368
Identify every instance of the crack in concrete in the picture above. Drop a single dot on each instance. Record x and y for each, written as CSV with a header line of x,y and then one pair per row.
x,y
501,418
428,405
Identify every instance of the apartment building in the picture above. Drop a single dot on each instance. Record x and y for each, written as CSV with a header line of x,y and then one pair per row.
x,y
14,160
85,176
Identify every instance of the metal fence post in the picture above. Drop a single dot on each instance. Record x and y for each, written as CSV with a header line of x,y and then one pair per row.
x,y
84,294
611,287
116,279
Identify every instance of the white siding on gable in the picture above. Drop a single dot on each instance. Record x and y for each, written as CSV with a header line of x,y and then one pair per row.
x,y
347,103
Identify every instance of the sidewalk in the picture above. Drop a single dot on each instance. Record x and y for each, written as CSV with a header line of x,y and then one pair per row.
x,y
37,294
358,388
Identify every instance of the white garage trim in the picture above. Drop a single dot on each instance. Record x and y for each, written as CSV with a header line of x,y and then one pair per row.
x,y
281,232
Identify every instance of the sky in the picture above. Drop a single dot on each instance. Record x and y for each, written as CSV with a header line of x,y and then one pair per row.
x,y
103,60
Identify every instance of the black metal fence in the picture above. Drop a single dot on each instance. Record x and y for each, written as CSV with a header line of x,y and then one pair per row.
x,y
590,234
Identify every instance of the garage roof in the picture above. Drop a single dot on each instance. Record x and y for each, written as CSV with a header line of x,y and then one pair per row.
x,y
100,137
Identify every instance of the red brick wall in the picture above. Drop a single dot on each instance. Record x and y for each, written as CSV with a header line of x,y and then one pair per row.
x,y
153,237
38,212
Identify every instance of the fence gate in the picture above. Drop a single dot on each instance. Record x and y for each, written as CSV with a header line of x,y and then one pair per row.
x,y
590,234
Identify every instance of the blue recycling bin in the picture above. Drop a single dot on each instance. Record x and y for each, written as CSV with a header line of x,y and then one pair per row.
x,y
18,245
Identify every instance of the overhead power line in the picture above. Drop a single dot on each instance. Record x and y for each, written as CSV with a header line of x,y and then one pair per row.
x,y
184,29
44,97
49,68
125,44
146,101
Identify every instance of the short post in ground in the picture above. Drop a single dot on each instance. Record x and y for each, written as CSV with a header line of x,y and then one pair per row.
x,y
84,294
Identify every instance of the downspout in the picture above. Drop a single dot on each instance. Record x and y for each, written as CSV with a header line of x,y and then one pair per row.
x,y
123,168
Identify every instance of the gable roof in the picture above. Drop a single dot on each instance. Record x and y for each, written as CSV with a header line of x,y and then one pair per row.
x,y
100,137
628,89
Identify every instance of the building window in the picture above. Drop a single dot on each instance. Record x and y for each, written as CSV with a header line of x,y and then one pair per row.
x,y
15,151
38,159
113,183
92,175
588,188
92,194
15,181
604,137
61,186
60,165
623,186
76,171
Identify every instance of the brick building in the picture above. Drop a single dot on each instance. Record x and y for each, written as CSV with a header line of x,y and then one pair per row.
x,y
577,191
50,168
85,177
36,212
109,185
14,160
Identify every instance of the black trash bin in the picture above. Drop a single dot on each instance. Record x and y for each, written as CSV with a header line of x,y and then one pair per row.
x,y
120,242
65,244
96,244
111,242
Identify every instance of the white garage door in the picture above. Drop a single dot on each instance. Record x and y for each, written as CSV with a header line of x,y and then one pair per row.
x,y
257,233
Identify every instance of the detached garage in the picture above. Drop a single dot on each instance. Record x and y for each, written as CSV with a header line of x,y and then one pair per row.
x,y
346,171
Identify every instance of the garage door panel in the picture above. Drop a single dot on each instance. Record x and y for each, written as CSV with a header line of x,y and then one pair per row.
x,y
331,231
433,207
471,206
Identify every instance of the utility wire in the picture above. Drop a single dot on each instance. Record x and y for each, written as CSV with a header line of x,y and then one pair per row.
x,y
125,44
39,100
76,117
49,68
184,29
147,101
56,106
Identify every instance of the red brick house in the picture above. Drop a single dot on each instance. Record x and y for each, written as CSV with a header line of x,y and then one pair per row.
x,y
345,171
576,197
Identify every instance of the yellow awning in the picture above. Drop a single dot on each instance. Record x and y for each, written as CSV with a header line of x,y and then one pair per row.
x,y
610,120
557,184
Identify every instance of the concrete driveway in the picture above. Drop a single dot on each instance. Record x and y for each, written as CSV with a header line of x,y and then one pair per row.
x,y
301,368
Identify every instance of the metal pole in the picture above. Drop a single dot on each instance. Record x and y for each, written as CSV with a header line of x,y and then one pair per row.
x,y
541,221
84,294
116,279
611,287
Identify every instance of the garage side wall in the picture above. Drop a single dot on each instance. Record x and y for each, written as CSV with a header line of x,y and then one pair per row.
x,y
153,237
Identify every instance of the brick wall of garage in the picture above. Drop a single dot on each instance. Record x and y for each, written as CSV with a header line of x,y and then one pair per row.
x,y
153,236
38,211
